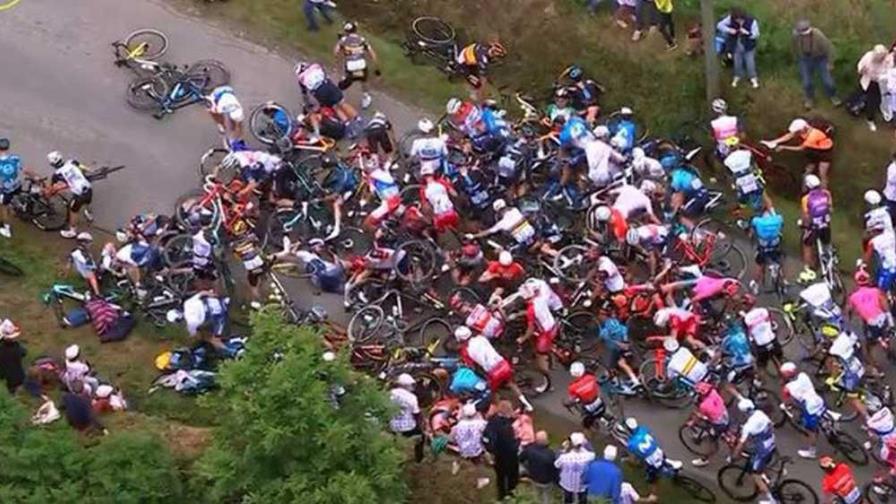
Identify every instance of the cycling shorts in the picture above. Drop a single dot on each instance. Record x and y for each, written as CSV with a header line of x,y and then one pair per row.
x,y
471,73
78,201
445,221
695,205
6,197
766,255
888,455
885,279
823,234
851,384
765,353
378,139
544,340
387,207
810,422
820,156
499,375
617,353
740,375
760,460
328,94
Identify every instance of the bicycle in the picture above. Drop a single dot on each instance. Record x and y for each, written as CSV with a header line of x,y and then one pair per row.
x,y
736,480
216,199
140,50
829,426
273,124
879,492
174,88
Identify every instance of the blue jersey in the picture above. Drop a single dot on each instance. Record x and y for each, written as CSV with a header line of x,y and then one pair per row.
x,y
10,168
767,228
684,180
736,347
613,332
575,133
627,131
494,124
642,444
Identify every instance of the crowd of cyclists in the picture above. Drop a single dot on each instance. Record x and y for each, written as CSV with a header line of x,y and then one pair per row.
x,y
540,236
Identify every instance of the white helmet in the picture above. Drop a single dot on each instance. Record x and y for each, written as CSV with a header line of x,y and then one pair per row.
x,y
498,205
231,162
788,368
577,439
576,369
631,423
72,352
739,161
719,106
468,410
745,405
453,106
104,391
661,318
505,258
601,131
84,236
797,125
405,380
872,197
625,111
617,142
55,159
671,345
603,213
424,125
638,154
462,333
812,181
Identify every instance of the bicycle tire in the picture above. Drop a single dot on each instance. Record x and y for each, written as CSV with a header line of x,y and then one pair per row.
x,y
584,327
53,215
432,329
737,483
365,324
791,491
700,443
698,491
214,74
726,258
433,30
770,404
466,294
270,122
428,388
156,43
573,253
8,268
210,165
849,447
146,93
422,261
185,204
178,251
879,493
782,326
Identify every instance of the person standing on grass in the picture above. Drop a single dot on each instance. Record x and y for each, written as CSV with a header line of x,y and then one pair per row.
x,y
501,442
815,54
10,184
325,7
741,33
11,354
538,459
572,464
645,17
873,69
667,27
407,421
889,191
603,477
467,435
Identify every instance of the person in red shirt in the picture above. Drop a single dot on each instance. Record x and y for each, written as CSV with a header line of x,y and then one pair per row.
x,y
502,274
839,482
585,391
541,324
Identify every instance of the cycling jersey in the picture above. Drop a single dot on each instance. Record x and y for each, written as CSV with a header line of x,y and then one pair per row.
x,y
83,262
740,164
478,350
844,349
613,333
311,77
10,168
818,296
629,199
884,245
430,151
624,134
326,275
736,348
435,192
652,235
514,222
468,119
202,251
759,326
575,133
353,48
882,425
613,281
712,407
485,322
600,157
225,102
643,445
684,364
767,228
890,188
475,189
866,302
201,309
802,390
382,184
538,313
554,111
724,128
74,178
685,180
682,321
817,205
257,165
707,287
475,55
878,218
584,389
758,428
383,258
841,483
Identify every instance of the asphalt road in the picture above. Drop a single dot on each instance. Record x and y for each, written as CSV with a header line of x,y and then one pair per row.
x,y
61,92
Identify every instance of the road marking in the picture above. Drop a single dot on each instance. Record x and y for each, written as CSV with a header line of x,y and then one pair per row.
x,y
9,5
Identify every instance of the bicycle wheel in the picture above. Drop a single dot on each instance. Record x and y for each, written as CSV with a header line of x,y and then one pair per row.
x,y
50,214
213,72
532,382
782,326
435,333
879,493
146,44
698,439
698,491
737,483
187,207
270,122
726,257
9,268
583,328
792,491
433,30
146,93
281,224
419,262
210,165
573,264
428,389
849,447
365,324
178,251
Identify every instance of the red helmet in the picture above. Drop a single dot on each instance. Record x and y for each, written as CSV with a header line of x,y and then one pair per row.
x,y
470,249
862,277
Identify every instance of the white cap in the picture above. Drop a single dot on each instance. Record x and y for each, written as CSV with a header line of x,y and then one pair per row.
x,y
84,236
462,333
9,330
72,352
631,423
670,344
745,405
424,125
610,452
505,258
625,111
173,316
812,181
577,439
468,410
576,369
872,197
499,204
787,368
104,391
603,213
601,131
405,380
797,125
638,154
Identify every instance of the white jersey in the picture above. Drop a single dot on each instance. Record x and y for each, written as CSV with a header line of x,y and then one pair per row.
x,y
652,234
629,199
890,188
759,326
74,178
480,349
614,281
882,424
514,222
437,196
312,77
599,157
269,162
884,245
878,218
802,390
760,426
429,150
684,364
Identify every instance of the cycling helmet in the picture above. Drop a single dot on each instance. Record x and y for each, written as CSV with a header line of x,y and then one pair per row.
x,y
427,169
807,276
72,352
631,423
626,111
104,391
787,369
405,380
577,369
300,67
862,277
702,388
661,318
456,302
719,106
55,159
603,213
505,258
745,405
462,333
496,50
350,27
873,403
671,345
797,125
812,181
601,131
4,144
424,125
498,205
231,162
453,106
648,187
84,237
872,197
632,237
575,73
826,463
315,242
749,300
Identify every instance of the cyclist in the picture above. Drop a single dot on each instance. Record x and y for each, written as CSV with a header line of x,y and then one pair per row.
x,y
604,163
256,168
682,325
503,274
10,184
624,131
327,270
711,408
436,193
799,389
643,445
385,188
227,112
726,129
614,336
877,216
465,263
353,49
767,229
313,81
585,93
69,176
379,134
509,220
485,320
816,209
430,150
839,483
651,239
646,166
881,424
689,195
849,376
541,324
561,106
870,303
247,248
759,431
737,357
881,251
478,351
473,62
749,186
483,126
762,333
584,390
82,260
816,143
683,365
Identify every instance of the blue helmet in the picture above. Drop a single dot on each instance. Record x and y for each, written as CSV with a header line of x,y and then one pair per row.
x,y
575,72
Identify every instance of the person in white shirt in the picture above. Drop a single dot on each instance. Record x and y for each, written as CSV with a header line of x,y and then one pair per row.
x,y
881,251
228,114
77,369
799,389
467,436
759,430
761,332
81,259
603,162
889,191
69,176
203,310
478,352
406,421
646,166
683,363
877,216
429,150
314,82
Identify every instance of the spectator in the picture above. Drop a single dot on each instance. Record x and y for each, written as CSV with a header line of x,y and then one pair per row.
x,y
815,54
407,421
108,400
666,25
888,91
604,478
467,435
11,354
572,464
890,187
645,16
502,444
873,68
741,31
625,12
324,6
78,410
538,459
78,371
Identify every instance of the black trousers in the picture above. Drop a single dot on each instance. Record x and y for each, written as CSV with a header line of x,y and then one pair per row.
x,y
872,100
507,472
667,27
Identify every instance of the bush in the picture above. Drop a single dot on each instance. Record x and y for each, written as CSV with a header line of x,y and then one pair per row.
x,y
280,438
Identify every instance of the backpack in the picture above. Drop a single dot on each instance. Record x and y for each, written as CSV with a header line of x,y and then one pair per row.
x,y
820,123
119,330
103,314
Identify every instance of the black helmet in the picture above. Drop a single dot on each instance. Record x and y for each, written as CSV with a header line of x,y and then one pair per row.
x,y
350,27
4,144
575,73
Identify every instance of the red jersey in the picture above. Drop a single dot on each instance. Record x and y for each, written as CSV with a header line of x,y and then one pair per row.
x,y
841,483
584,389
508,273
